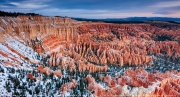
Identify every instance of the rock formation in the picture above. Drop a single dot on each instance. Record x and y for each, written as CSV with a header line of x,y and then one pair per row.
x,y
102,59
149,84
68,86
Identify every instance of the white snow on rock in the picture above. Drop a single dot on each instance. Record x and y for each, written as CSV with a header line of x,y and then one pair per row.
x,y
3,80
1,29
5,50
5,22
22,48
18,45
135,91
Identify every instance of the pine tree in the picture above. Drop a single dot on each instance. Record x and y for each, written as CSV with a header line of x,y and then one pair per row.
x,y
81,87
37,90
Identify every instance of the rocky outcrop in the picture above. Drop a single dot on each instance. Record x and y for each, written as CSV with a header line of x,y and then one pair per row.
x,y
82,67
68,86
112,52
47,71
97,89
30,76
127,32
149,84
137,78
58,60
169,83
169,87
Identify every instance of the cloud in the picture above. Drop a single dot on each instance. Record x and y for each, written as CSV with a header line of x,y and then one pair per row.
x,y
169,8
23,5
71,12
95,8
165,4
28,5
163,12
92,13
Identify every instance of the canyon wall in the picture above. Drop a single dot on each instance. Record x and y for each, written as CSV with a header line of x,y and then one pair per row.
x,y
31,27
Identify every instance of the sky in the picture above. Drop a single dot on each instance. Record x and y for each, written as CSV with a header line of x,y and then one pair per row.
x,y
95,8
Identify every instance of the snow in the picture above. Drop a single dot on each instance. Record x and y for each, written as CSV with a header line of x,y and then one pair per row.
x,y
5,59
3,80
176,76
5,50
19,45
67,94
1,29
18,39
5,22
134,91
13,20
22,49
125,90
102,85
52,25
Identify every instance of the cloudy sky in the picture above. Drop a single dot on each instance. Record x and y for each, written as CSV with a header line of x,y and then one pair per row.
x,y
95,8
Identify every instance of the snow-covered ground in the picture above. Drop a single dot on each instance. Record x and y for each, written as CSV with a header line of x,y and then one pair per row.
x,y
18,45
21,47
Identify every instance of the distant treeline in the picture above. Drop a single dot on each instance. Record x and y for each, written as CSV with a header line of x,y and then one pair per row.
x,y
107,21
15,14
131,20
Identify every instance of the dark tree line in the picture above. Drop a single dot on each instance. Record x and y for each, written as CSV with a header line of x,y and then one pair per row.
x,y
15,14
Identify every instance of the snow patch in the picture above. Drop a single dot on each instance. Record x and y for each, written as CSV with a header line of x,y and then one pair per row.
x,y
137,91
22,49
1,29
5,22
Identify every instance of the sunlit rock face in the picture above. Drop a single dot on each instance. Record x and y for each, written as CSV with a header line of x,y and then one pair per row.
x,y
59,56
